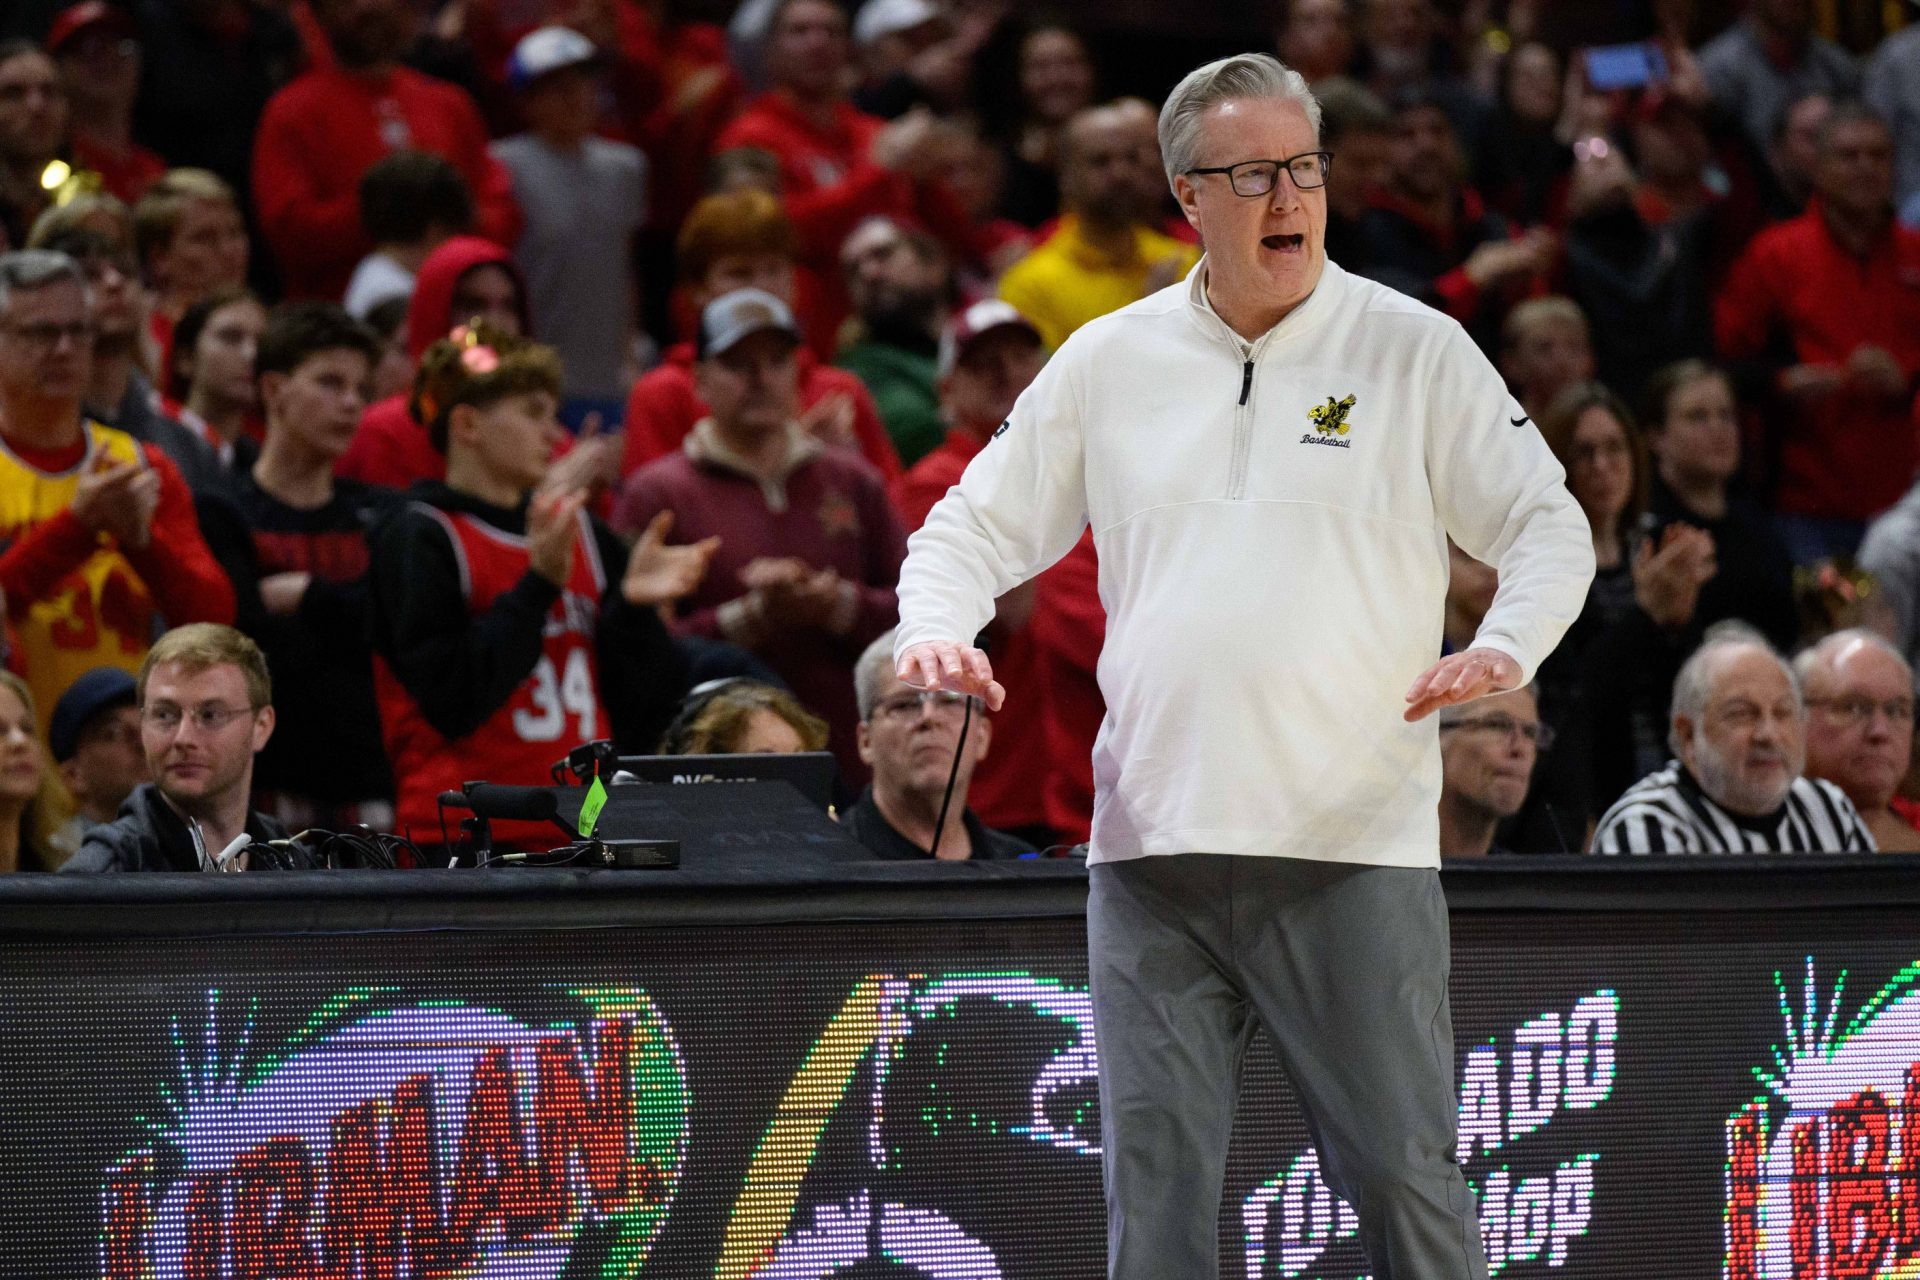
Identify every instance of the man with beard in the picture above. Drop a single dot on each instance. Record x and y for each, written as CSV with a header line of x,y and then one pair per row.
x,y
327,128
1105,254
1735,784
899,282
1860,727
1835,287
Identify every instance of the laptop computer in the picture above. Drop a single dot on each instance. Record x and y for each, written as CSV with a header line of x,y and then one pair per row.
x,y
811,773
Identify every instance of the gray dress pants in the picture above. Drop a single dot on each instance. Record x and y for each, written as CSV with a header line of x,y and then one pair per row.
x,y
1346,968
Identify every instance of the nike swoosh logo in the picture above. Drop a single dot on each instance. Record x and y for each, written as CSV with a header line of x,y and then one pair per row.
x,y
1520,421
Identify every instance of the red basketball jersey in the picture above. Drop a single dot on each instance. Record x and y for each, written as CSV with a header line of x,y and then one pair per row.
x,y
555,709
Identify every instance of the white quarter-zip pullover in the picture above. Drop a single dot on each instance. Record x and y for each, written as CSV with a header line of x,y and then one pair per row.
x,y
1271,520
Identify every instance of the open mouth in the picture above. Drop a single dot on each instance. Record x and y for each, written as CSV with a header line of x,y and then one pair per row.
x,y
1285,244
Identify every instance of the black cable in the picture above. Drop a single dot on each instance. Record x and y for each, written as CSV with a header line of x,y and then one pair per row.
x,y
365,847
953,775
552,858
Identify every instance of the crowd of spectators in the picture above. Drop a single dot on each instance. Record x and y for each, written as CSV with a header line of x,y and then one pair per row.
x,y
488,380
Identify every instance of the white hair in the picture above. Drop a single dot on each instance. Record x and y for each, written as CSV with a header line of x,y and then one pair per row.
x,y
1823,651
1693,687
870,673
26,270
1241,77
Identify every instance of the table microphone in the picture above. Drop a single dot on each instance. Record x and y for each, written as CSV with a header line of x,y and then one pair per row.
x,y
527,804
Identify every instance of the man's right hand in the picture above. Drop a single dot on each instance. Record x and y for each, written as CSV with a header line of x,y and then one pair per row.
x,y
941,664
119,500
553,534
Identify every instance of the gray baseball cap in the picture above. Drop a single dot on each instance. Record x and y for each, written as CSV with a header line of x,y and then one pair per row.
x,y
734,317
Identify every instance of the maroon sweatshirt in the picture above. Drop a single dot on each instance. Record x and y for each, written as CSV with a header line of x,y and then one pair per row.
x,y
833,514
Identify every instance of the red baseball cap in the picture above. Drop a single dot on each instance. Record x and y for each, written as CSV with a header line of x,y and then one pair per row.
x,y
74,19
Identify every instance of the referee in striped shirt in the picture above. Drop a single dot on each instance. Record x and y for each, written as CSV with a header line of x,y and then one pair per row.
x,y
1738,733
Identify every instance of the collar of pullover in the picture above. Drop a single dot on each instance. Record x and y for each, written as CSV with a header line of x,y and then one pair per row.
x,y
705,447
1308,314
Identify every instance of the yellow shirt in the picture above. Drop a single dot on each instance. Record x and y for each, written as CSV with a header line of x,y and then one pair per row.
x,y
1066,281
100,614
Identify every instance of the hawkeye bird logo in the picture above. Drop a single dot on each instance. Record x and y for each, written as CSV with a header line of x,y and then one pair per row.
x,y
1329,423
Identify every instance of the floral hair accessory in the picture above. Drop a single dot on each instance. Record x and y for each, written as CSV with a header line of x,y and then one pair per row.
x,y
477,357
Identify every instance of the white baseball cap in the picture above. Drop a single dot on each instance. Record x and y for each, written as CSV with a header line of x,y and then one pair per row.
x,y
546,51
732,318
878,18
976,322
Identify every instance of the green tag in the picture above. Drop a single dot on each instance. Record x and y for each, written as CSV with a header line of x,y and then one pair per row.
x,y
590,807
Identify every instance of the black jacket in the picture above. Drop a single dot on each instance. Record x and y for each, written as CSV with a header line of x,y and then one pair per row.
x,y
150,835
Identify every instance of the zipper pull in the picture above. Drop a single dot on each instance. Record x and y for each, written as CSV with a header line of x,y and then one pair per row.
x,y
1246,381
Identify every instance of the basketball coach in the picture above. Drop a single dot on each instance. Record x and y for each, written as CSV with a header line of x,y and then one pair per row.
x,y
1272,456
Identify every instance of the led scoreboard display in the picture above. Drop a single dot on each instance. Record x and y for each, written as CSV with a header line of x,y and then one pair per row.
x,y
1686,1094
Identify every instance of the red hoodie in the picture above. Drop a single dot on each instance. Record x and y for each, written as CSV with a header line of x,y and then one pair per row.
x,y
322,132
390,448
663,407
830,182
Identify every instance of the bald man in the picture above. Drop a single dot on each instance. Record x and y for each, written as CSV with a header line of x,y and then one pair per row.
x,y
1104,254
1860,727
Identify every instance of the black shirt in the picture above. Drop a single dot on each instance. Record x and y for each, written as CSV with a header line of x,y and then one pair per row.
x,y
865,823
326,745
1753,574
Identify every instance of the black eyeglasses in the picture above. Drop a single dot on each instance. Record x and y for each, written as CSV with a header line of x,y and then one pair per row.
x,y
1506,727
1252,178
908,706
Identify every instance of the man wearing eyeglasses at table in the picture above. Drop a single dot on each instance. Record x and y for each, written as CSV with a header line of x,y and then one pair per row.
x,y
206,709
909,738
1487,754
1271,456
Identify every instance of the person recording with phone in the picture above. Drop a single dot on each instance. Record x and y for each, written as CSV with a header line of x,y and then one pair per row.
x,y
508,624
206,710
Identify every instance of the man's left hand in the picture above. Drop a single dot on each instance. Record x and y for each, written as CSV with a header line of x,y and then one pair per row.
x,y
1461,677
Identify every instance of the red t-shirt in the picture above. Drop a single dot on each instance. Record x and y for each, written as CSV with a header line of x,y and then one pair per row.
x,y
555,708
1848,454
